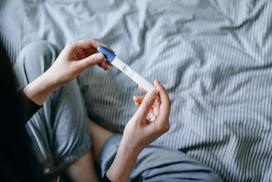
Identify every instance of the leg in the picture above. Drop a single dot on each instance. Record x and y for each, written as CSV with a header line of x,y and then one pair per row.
x,y
83,169
158,164
59,130
99,135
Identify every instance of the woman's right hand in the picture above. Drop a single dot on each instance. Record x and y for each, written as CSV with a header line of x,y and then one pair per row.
x,y
150,120
140,131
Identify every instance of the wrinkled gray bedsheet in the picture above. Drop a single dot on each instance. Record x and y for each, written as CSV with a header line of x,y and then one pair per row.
x,y
213,56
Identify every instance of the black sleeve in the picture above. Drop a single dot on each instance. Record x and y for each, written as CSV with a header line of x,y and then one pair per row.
x,y
105,179
29,107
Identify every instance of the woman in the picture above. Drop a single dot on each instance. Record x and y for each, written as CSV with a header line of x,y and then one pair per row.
x,y
18,162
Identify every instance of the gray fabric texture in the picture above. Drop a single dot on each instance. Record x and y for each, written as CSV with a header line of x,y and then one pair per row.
x,y
60,129
157,164
214,58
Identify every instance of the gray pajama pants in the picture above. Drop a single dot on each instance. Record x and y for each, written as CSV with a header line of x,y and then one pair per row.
x,y
156,164
60,130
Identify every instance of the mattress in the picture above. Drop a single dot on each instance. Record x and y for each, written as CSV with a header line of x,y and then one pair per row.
x,y
214,57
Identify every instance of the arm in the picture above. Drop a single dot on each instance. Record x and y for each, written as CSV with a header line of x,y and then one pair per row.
x,y
75,58
140,132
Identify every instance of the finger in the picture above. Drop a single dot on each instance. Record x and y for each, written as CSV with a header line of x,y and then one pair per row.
x,y
162,91
91,43
100,65
146,104
142,89
156,107
108,63
88,43
137,104
154,110
152,116
104,65
138,100
164,100
91,60
89,46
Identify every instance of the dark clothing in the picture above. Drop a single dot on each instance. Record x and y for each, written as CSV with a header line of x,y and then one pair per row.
x,y
105,179
29,108
17,160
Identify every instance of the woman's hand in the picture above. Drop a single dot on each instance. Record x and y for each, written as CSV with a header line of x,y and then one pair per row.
x,y
74,58
150,120
140,131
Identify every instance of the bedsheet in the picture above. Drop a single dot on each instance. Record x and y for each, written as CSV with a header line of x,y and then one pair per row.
x,y
214,57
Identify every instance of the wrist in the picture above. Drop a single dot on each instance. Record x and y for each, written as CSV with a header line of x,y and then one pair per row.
x,y
131,148
50,80
40,89
123,162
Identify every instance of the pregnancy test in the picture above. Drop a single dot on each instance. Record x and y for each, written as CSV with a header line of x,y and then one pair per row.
x,y
133,75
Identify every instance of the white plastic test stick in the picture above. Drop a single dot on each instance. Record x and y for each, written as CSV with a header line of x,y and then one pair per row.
x,y
133,75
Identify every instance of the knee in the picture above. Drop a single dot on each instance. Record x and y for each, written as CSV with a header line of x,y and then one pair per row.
x,y
34,59
37,54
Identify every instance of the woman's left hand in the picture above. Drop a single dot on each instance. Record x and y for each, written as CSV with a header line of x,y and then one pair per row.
x,y
75,58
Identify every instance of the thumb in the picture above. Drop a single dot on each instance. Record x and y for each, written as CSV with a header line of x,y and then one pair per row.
x,y
146,104
91,60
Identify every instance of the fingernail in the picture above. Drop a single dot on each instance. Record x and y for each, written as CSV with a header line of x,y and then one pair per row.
x,y
100,56
156,92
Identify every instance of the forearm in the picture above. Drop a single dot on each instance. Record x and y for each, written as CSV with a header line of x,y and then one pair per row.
x,y
41,88
123,163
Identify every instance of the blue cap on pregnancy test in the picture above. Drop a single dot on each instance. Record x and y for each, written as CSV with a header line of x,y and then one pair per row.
x,y
107,53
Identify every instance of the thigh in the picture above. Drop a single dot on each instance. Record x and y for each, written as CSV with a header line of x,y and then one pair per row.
x,y
159,164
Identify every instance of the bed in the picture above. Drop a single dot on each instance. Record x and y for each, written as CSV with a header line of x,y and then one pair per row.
x,y
214,57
